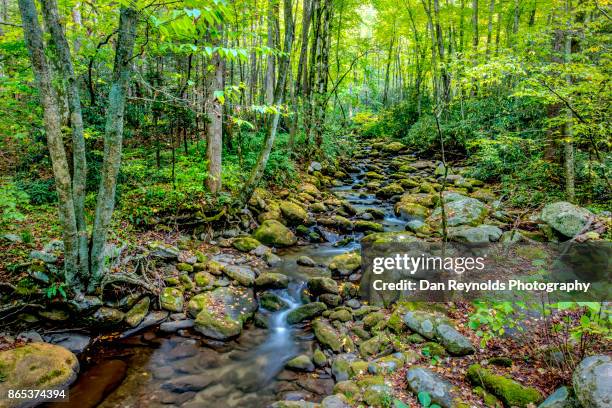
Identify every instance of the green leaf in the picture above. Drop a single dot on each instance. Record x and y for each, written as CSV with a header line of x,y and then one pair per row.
x,y
399,404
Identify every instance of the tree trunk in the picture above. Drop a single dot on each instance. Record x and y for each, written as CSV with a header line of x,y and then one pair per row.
x,y
490,26
33,35
61,49
279,93
214,133
113,139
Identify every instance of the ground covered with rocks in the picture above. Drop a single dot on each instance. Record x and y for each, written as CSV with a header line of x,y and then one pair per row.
x,y
207,303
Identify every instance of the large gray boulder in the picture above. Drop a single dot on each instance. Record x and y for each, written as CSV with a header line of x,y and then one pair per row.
x,y
464,211
566,218
592,380
440,390
453,341
562,398
481,234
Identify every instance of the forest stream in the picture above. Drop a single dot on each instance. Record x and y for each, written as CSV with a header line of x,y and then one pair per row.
x,y
249,371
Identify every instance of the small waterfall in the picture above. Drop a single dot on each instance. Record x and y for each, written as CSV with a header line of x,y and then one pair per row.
x,y
280,346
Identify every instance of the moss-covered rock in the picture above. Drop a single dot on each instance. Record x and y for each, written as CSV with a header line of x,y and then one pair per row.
x,y
341,315
203,279
372,347
372,319
216,326
336,221
319,285
293,213
242,274
361,225
272,280
326,335
306,312
245,244
410,211
510,392
465,211
107,316
393,147
319,358
184,267
349,389
35,366
566,218
346,263
221,313
272,302
301,363
390,190
272,232
135,315
389,238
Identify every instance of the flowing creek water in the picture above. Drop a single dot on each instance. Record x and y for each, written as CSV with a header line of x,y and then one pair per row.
x,y
248,371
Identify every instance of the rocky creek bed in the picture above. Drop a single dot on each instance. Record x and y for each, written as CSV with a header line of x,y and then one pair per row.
x,y
274,318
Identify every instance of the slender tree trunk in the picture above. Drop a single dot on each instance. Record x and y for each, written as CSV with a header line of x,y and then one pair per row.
x,y
214,133
113,140
300,79
568,143
52,122
490,26
61,49
279,93
388,70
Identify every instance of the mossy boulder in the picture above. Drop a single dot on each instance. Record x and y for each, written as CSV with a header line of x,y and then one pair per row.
x,y
135,315
221,313
372,347
465,211
245,244
272,302
510,392
481,234
410,211
203,279
319,285
389,238
184,267
372,319
293,213
36,366
336,221
390,190
326,335
345,264
341,315
272,232
393,147
218,327
319,358
272,280
306,312
348,388
301,363
566,218
318,207
361,225
241,274
108,316
422,199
